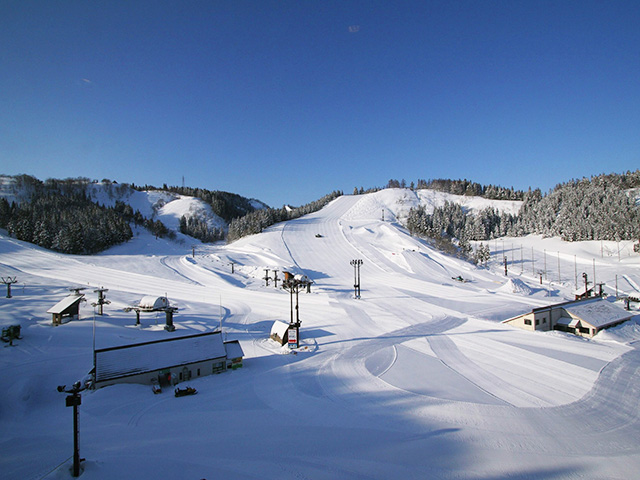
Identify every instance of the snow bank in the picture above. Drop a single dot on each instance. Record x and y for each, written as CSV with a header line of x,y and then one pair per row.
x,y
627,333
515,285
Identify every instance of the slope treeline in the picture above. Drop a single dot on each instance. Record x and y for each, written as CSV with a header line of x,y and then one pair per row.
x,y
198,228
256,222
69,223
601,208
60,215
461,187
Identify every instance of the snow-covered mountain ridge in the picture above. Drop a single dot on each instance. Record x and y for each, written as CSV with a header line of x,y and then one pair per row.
x,y
395,203
170,207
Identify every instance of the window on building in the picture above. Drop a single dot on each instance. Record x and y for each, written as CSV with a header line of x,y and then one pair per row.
x,y
218,367
537,321
527,321
198,372
544,319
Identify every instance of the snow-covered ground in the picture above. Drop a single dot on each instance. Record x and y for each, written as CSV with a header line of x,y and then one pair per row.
x,y
417,379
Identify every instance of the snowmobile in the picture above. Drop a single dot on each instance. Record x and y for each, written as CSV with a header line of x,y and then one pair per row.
x,y
182,392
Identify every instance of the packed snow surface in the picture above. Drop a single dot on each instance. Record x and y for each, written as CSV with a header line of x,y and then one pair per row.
x,y
417,379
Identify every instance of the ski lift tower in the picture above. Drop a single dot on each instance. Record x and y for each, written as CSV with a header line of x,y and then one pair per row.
x,y
293,284
8,281
101,299
155,304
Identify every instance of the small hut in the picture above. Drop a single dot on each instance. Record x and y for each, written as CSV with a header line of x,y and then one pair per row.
x,y
67,307
280,332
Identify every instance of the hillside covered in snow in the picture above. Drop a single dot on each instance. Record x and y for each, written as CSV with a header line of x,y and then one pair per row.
x,y
418,378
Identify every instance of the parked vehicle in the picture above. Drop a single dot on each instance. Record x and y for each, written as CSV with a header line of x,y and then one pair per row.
x,y
182,392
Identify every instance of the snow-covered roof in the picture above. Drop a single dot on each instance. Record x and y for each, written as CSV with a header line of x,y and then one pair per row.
x,y
139,358
150,302
279,328
582,291
65,303
233,348
568,321
597,312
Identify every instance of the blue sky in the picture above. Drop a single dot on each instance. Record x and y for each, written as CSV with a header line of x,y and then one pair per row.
x,y
286,101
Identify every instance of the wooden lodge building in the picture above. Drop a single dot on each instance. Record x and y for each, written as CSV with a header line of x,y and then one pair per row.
x,y
584,317
167,361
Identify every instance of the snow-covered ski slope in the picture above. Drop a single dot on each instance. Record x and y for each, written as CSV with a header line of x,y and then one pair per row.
x,y
416,379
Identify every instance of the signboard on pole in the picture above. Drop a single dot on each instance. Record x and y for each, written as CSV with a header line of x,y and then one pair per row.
x,y
74,400
293,337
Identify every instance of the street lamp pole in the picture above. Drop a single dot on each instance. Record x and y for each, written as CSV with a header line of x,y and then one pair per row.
x,y
74,400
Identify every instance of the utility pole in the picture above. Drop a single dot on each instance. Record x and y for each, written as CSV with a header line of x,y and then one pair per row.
x,y
232,266
521,261
266,276
505,266
356,276
533,263
275,278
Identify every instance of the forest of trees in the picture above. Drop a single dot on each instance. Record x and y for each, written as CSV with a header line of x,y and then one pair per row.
x,y
599,208
60,215
198,228
68,223
460,187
